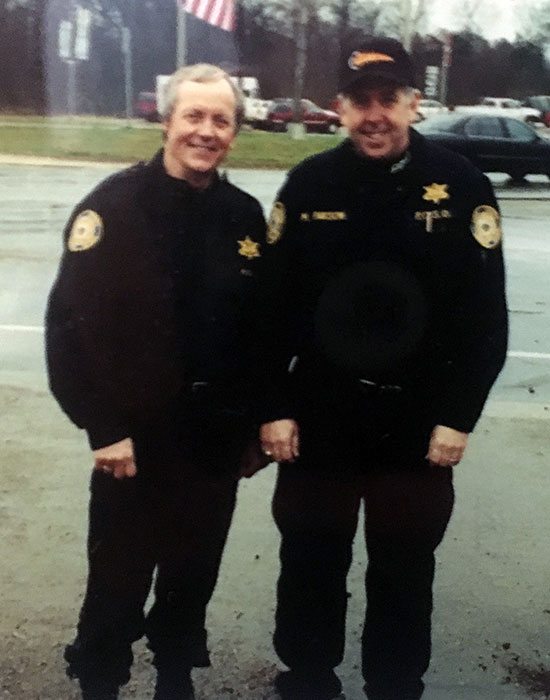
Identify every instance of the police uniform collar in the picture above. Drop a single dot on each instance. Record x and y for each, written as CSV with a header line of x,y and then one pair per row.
x,y
374,166
175,185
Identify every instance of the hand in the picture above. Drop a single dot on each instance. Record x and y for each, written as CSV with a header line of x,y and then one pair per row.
x,y
117,459
253,459
446,446
281,440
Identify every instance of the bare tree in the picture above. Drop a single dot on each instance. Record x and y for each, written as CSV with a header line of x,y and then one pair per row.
x,y
403,19
467,13
534,22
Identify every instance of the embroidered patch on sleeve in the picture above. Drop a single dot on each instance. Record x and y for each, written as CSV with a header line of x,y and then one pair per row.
x,y
276,223
86,232
485,226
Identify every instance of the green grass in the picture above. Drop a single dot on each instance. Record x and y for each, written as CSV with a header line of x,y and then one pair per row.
x,y
115,140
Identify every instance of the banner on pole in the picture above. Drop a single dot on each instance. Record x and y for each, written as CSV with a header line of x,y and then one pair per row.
x,y
65,40
82,34
220,13
431,81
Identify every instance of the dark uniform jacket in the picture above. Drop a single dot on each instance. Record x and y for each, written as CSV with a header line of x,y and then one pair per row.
x,y
154,293
388,274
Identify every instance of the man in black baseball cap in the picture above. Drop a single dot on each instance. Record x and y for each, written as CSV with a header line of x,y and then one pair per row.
x,y
378,59
378,98
386,303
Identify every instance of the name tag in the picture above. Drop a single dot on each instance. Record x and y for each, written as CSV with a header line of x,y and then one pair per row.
x,y
323,216
434,215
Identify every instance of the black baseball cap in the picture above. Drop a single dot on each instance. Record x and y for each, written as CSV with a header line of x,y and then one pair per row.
x,y
379,57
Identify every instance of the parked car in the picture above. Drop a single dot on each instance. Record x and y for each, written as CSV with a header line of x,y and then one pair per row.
x,y
429,108
502,107
493,144
146,106
542,103
314,118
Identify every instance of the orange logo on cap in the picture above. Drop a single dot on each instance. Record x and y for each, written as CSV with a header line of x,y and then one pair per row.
x,y
358,59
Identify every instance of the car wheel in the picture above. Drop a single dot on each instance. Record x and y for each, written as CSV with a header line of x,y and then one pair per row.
x,y
331,128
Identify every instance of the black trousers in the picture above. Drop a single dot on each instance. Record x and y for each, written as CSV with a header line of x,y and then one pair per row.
x,y
174,517
406,514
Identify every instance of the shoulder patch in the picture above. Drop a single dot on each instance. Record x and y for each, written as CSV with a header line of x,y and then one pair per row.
x,y
276,223
86,232
485,226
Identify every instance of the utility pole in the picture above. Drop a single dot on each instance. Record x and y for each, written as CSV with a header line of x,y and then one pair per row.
x,y
66,45
410,17
126,46
181,30
296,128
406,24
446,60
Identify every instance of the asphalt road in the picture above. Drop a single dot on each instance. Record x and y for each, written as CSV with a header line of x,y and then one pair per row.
x,y
492,607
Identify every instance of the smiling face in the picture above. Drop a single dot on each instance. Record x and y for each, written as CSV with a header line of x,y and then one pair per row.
x,y
199,131
378,118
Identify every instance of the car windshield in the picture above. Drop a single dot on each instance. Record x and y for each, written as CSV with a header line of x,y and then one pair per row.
x,y
281,106
541,102
444,122
310,106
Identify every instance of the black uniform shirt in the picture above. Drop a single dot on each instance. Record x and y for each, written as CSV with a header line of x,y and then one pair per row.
x,y
389,272
155,290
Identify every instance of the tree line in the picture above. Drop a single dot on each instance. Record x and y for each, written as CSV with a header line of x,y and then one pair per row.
x,y
34,78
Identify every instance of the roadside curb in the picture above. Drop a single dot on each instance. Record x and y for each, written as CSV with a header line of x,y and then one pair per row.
x,y
8,159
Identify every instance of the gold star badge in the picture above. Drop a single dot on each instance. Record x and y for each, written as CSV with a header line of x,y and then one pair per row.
x,y
435,193
249,249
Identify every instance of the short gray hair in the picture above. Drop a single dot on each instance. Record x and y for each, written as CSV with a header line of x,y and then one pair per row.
x,y
199,73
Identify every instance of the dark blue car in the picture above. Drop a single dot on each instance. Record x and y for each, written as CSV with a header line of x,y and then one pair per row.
x,y
492,143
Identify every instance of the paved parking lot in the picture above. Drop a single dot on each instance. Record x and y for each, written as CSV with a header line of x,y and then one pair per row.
x,y
492,606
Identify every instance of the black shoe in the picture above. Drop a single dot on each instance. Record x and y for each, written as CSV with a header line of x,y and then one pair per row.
x,y
100,673
100,693
400,689
174,685
308,685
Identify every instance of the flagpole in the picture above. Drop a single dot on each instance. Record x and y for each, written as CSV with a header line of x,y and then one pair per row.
x,y
181,48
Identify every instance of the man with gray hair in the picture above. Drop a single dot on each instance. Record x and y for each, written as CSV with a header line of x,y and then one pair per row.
x,y
385,326
149,326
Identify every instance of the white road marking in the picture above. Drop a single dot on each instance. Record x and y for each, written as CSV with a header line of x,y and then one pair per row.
x,y
511,353
529,355
21,329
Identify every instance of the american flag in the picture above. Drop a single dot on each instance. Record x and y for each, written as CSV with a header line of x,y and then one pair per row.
x,y
220,13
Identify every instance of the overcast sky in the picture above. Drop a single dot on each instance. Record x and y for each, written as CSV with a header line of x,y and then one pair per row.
x,y
495,19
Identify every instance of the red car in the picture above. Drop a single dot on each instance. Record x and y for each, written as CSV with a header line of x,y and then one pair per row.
x,y
146,107
542,103
314,118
